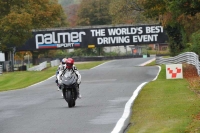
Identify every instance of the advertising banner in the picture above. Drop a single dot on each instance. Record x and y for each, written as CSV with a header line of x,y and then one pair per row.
x,y
95,37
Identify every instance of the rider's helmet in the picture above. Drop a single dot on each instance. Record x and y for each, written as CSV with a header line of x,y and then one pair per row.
x,y
69,63
64,61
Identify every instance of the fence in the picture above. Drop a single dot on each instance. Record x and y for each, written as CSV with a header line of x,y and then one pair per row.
x,y
187,57
1,69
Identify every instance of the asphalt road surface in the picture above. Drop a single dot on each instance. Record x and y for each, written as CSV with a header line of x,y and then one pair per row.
x,y
105,91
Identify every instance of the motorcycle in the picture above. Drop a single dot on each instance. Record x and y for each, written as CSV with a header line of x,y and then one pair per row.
x,y
68,86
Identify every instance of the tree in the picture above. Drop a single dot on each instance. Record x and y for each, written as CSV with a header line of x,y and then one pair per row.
x,y
19,17
176,38
128,12
195,40
187,7
179,17
14,29
94,12
71,11
65,3
20,55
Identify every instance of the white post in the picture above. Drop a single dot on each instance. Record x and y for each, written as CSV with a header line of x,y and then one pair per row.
x,y
1,69
28,62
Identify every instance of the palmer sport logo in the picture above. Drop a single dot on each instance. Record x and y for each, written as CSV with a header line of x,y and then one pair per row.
x,y
45,46
58,40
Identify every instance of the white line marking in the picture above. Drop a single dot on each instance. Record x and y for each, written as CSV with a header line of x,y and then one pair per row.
x,y
127,110
147,62
157,73
40,82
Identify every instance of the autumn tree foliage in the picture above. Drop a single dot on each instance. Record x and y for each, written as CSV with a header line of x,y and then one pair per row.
x,y
123,12
20,55
94,12
179,17
71,12
65,3
70,8
19,17
129,12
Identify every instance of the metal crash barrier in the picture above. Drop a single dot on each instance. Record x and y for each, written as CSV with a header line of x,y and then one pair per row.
x,y
1,69
187,57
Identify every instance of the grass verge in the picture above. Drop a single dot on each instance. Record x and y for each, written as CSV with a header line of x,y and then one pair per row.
x,y
22,79
165,106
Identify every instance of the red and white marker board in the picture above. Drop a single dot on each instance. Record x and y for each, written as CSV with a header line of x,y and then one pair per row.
x,y
174,71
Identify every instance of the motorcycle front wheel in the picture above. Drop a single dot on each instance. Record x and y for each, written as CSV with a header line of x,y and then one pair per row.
x,y
69,99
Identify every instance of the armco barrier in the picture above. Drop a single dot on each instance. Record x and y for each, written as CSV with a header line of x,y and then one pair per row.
x,y
55,63
1,69
187,57
39,67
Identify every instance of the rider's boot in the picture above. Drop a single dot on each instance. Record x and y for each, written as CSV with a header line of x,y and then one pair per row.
x,y
78,93
58,85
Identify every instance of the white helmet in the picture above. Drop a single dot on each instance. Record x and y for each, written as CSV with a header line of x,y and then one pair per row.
x,y
64,61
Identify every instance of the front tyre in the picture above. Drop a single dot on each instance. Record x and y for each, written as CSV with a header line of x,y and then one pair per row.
x,y
69,99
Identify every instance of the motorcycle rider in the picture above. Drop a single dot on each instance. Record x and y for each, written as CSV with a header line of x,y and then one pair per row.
x,y
70,66
60,69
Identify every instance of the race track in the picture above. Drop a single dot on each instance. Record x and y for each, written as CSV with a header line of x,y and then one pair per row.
x,y
105,91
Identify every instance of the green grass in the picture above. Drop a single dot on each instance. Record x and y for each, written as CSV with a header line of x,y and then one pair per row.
x,y
88,65
166,52
165,106
151,63
22,79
